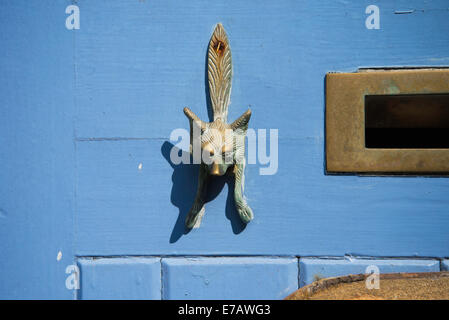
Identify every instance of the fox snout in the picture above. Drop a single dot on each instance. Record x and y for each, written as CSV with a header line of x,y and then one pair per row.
x,y
218,169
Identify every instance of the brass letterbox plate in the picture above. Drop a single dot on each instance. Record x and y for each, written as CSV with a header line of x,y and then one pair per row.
x,y
392,90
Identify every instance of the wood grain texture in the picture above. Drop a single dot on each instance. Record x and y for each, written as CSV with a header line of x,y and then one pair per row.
x,y
229,278
37,155
135,75
127,278
300,211
85,116
129,86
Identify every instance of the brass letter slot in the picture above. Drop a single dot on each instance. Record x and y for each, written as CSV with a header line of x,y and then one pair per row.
x,y
394,121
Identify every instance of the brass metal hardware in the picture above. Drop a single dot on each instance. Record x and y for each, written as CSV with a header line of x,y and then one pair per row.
x,y
347,122
223,143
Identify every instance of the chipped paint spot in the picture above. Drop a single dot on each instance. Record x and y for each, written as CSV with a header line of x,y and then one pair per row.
x,y
140,166
404,11
59,256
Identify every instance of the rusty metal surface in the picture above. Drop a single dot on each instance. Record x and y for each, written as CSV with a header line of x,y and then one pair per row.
x,y
345,122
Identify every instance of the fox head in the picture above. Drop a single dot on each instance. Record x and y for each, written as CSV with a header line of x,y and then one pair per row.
x,y
222,144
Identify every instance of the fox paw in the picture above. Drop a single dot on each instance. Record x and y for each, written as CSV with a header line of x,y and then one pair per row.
x,y
245,213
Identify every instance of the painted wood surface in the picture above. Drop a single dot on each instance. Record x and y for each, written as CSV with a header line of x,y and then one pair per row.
x,y
445,265
120,278
311,269
223,277
85,117
137,72
124,210
135,75
37,156
229,278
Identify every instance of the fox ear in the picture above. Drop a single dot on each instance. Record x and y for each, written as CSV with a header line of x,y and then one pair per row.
x,y
242,121
194,118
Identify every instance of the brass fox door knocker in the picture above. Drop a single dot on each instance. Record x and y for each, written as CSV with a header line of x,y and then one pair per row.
x,y
220,146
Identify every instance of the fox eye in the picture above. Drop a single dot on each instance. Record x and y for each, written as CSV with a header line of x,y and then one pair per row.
x,y
208,148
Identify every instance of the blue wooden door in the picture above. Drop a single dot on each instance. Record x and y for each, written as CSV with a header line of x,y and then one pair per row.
x,y
91,206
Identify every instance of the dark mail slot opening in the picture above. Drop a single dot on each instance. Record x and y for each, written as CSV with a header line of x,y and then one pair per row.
x,y
418,121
